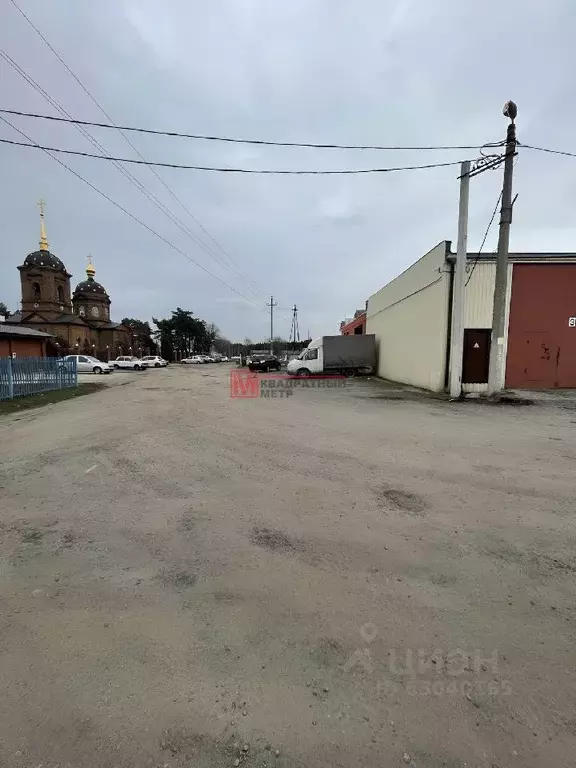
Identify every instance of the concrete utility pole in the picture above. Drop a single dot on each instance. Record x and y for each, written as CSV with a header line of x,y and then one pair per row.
x,y
496,371
272,305
457,332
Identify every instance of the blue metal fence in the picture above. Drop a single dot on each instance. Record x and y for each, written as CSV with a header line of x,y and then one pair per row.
x,y
21,376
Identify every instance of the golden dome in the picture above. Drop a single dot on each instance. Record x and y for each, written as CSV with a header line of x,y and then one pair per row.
x,y
90,271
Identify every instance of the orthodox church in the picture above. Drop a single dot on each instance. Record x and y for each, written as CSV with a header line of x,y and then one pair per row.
x,y
79,321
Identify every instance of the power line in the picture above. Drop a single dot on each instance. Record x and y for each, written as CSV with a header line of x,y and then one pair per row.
x,y
545,149
484,238
228,139
125,172
113,124
230,170
132,216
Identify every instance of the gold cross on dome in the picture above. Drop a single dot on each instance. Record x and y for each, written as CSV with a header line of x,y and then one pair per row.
x,y
43,239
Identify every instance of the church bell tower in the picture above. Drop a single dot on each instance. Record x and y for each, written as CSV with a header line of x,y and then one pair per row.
x,y
45,282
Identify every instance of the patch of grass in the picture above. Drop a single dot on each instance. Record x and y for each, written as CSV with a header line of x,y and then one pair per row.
x,y
8,407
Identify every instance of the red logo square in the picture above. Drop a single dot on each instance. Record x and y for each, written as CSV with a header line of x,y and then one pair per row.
x,y
244,384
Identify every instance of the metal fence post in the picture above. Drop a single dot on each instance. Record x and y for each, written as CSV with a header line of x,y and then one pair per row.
x,y
10,380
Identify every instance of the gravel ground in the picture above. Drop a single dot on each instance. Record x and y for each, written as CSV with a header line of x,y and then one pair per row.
x,y
341,577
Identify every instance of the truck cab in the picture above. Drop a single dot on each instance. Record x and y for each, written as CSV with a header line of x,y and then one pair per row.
x,y
309,361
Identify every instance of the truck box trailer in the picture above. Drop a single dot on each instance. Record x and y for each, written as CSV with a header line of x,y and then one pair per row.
x,y
336,354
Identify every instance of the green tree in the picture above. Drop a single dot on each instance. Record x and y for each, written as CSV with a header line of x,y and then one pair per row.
x,y
3,309
183,335
142,335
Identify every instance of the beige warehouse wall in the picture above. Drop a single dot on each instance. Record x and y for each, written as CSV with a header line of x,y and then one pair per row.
x,y
409,317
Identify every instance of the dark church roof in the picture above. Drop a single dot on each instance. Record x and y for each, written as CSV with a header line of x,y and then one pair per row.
x,y
44,259
69,319
90,287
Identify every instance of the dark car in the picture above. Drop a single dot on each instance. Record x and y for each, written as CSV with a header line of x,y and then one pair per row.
x,y
264,363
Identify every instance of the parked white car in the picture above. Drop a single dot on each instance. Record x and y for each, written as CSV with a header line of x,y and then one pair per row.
x,y
128,361
155,361
194,360
88,364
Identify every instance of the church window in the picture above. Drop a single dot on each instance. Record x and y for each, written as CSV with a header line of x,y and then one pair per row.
x,y
36,290
60,293
81,311
94,311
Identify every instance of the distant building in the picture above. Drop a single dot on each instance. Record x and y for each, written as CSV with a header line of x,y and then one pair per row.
x,y
354,325
17,341
411,318
78,321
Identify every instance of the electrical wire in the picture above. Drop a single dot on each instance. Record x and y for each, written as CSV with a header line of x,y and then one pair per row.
x,y
124,171
230,170
545,149
132,216
113,124
204,137
484,238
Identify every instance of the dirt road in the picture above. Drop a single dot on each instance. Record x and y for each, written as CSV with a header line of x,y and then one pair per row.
x,y
342,577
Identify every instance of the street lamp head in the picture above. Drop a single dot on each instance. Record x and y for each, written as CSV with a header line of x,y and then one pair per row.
x,y
510,110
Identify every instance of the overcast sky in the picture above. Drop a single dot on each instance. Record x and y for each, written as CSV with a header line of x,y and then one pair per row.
x,y
369,72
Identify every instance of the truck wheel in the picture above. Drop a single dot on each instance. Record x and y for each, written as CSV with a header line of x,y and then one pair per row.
x,y
303,373
136,367
116,367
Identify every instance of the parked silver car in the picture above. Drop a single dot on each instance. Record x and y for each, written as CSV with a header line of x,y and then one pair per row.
x,y
155,361
89,364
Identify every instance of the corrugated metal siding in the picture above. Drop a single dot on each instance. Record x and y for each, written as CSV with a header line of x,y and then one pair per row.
x,y
542,342
479,303
479,296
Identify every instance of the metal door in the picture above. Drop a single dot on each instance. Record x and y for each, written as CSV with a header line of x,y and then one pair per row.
x,y
476,355
541,359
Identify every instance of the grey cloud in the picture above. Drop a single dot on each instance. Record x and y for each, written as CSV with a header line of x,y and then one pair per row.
x,y
379,71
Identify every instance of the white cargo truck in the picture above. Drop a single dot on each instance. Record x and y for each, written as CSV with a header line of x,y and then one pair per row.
x,y
348,355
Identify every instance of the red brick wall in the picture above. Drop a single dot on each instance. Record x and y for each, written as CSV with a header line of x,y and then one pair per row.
x,y
358,323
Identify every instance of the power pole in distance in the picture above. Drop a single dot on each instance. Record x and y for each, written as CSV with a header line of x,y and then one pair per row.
x,y
272,305
294,329
457,332
496,371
